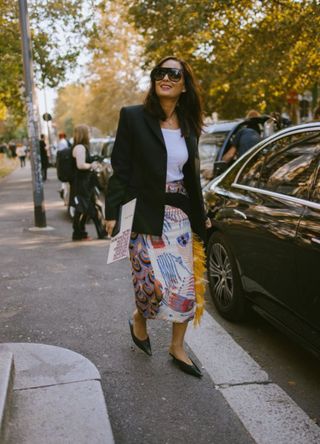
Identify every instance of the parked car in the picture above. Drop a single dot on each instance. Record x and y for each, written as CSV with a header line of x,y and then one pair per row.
x,y
217,139
263,248
100,150
211,142
98,146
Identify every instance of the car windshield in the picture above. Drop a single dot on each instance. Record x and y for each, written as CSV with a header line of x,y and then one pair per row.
x,y
209,145
97,146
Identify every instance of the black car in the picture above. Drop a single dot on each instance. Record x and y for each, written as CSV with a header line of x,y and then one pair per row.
x,y
263,248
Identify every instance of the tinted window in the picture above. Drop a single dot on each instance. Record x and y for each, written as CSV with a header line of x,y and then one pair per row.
x,y
285,166
316,194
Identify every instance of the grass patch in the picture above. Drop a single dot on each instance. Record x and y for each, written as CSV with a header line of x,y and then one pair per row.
x,y
7,165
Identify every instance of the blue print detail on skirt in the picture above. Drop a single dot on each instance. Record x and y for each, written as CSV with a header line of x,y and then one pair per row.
x,y
162,270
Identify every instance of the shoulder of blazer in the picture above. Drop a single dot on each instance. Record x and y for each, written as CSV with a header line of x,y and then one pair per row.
x,y
133,115
133,110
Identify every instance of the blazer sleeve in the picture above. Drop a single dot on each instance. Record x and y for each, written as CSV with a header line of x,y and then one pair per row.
x,y
121,161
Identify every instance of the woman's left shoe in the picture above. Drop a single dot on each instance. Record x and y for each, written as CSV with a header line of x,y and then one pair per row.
x,y
187,368
144,345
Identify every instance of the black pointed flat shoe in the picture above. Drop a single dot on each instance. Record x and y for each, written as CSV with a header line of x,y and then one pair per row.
x,y
144,345
187,368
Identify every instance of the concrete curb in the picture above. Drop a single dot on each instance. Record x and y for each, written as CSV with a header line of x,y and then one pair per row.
x,y
6,385
57,397
267,412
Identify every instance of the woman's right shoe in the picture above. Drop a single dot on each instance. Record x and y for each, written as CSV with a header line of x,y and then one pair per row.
x,y
144,345
191,369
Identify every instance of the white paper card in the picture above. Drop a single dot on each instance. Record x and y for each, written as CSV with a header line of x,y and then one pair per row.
x,y
119,245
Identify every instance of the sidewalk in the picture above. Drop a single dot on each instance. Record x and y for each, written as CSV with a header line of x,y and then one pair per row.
x,y
61,293
47,393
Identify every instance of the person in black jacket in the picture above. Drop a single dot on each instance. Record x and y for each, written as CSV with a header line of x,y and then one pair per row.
x,y
155,160
43,157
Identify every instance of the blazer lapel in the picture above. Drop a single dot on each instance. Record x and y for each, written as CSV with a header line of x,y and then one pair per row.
x,y
153,123
191,145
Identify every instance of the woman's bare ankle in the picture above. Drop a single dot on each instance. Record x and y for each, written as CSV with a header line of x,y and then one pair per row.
x,y
179,352
139,326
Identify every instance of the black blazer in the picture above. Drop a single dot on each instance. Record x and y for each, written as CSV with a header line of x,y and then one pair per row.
x,y
139,162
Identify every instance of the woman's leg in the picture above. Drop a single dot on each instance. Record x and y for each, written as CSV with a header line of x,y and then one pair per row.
x,y
139,326
176,347
78,226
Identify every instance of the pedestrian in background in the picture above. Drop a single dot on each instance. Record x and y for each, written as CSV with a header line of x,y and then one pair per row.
x,y
43,157
82,188
245,138
64,190
21,152
62,142
155,159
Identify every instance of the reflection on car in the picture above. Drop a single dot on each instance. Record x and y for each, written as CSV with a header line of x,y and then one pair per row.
x,y
263,248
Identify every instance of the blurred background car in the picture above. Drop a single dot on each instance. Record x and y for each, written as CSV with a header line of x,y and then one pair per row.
x,y
263,249
211,142
101,150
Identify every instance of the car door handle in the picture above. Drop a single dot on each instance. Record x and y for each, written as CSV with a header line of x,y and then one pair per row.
x,y
315,240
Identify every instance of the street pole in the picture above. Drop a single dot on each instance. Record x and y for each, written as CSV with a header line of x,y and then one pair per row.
x,y
33,125
46,111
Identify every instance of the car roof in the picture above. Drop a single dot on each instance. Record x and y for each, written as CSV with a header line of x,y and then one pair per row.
x,y
101,139
218,127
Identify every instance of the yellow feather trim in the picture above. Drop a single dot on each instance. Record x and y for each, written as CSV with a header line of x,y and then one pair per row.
x,y
199,270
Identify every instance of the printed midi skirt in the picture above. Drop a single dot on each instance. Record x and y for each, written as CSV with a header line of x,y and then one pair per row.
x,y
162,267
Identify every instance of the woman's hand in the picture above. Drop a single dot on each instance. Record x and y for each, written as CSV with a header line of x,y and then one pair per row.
x,y
94,165
110,224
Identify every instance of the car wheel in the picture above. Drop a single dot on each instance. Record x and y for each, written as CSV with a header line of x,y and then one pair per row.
x,y
224,280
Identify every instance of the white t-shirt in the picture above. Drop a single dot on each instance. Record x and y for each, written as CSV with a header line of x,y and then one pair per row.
x,y
177,153
62,144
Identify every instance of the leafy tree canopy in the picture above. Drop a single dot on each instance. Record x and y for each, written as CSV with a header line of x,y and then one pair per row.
x,y
113,76
246,53
59,29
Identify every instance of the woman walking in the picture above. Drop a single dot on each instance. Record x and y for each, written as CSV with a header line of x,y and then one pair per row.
x,y
155,159
82,187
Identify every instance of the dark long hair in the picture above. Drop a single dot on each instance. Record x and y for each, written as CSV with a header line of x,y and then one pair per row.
x,y
189,106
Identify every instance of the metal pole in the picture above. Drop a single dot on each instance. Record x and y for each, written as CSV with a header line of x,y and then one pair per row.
x,y
48,128
33,126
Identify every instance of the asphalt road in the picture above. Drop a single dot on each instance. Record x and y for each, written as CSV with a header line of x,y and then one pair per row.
x,y
59,292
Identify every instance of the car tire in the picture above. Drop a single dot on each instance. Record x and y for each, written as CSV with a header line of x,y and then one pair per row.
x,y
224,280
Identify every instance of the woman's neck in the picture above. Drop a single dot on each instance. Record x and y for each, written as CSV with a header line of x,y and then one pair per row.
x,y
168,107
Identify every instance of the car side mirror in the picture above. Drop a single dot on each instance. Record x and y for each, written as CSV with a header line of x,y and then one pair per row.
x,y
219,167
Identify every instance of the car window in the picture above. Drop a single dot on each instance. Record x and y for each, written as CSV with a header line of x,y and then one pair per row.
x,y
209,145
284,166
107,149
316,193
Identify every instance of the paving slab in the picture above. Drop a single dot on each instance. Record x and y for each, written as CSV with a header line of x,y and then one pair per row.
x,y
6,382
72,413
39,365
57,398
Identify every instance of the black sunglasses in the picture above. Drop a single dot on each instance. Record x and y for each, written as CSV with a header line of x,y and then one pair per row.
x,y
174,74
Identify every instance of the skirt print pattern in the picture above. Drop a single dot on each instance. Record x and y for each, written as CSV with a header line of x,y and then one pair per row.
x,y
162,270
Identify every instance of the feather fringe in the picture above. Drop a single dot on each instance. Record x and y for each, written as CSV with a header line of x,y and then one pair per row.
x,y
199,270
